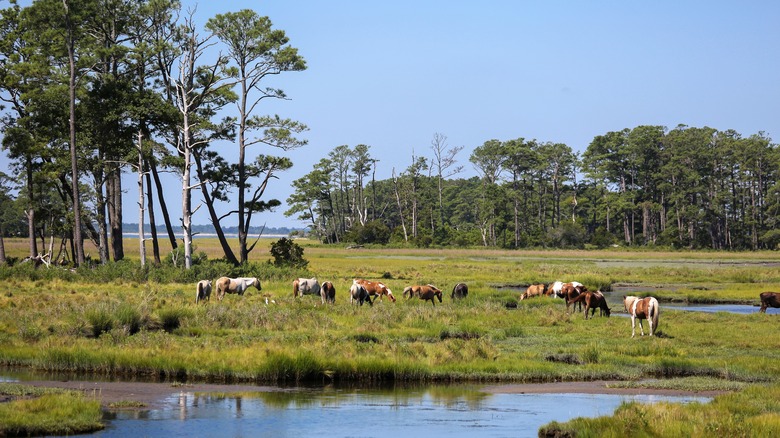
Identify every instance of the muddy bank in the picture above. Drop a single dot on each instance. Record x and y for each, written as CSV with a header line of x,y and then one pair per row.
x,y
151,394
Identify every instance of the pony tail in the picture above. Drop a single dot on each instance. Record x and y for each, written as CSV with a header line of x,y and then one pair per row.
x,y
656,312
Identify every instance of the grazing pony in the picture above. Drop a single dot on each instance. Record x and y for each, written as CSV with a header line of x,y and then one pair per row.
x,y
425,293
358,293
203,291
328,292
570,291
534,290
376,289
235,285
460,291
593,300
305,286
769,299
642,308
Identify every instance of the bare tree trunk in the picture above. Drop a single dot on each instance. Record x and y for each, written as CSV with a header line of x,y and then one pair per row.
x,y
141,241
400,209
163,205
152,222
114,197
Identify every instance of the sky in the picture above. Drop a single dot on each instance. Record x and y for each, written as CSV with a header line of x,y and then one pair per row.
x,y
392,74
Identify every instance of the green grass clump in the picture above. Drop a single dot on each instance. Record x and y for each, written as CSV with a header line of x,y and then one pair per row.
x,y
48,412
754,411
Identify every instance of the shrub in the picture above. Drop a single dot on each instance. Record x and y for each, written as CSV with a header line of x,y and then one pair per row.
x,y
288,253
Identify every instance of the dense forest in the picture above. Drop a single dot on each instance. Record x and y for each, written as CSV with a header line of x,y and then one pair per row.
x,y
686,187
92,90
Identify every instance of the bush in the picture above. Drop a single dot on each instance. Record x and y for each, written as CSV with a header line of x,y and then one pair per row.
x,y
288,253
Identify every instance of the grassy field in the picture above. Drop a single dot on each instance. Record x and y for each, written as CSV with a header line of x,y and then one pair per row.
x,y
127,327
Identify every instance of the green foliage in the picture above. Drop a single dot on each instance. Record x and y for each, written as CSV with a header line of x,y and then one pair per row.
x,y
288,253
371,232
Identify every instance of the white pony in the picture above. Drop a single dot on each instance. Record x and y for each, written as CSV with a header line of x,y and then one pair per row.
x,y
642,308
556,288
203,291
235,285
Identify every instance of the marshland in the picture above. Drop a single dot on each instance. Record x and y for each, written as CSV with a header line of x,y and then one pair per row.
x,y
122,321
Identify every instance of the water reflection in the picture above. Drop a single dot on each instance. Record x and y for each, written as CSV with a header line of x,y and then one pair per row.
x,y
437,411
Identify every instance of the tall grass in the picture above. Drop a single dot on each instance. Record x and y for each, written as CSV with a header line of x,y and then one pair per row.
x,y
49,412
754,411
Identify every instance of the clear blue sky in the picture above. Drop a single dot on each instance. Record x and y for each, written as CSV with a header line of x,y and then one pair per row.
x,y
391,74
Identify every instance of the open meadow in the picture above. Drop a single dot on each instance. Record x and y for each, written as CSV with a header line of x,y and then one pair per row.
x,y
110,324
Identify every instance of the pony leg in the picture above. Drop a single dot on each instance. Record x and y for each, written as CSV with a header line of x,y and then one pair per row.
x,y
633,326
641,330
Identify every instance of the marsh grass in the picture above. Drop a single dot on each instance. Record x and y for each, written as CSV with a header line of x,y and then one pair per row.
x,y
755,411
47,411
95,322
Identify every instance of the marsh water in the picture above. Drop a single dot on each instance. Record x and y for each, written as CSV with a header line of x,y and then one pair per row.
x,y
453,411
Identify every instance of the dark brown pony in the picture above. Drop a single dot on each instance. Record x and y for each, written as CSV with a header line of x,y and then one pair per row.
x,y
328,292
592,301
425,293
769,299
534,290
642,308
460,291
376,289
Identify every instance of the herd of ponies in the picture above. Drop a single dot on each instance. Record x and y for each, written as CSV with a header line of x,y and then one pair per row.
x,y
361,291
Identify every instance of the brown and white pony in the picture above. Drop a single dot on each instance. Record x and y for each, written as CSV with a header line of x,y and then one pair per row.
x,y
570,291
376,289
769,299
534,290
425,293
203,291
460,291
642,308
305,286
592,301
359,294
328,292
235,285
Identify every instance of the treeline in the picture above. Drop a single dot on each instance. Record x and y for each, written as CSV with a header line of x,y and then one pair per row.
x,y
94,89
687,187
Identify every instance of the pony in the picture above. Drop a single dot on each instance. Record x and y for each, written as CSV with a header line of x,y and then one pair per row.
x,y
203,291
235,285
426,292
642,308
375,289
460,291
328,292
592,301
306,286
358,293
769,299
534,290
572,290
